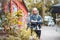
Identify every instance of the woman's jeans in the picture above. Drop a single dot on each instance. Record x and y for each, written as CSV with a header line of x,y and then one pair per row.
x,y
38,32
34,25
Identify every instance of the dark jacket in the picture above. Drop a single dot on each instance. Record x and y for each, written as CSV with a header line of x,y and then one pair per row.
x,y
36,17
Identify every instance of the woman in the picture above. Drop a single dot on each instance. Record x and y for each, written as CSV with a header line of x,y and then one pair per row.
x,y
36,21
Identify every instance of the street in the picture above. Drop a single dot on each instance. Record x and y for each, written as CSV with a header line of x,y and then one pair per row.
x,y
50,33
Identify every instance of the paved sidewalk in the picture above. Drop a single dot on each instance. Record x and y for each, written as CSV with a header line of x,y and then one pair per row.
x,y
50,33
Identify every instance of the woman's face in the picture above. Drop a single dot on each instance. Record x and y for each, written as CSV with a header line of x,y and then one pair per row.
x,y
35,12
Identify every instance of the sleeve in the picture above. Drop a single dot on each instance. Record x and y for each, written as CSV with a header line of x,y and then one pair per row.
x,y
40,20
32,23
31,17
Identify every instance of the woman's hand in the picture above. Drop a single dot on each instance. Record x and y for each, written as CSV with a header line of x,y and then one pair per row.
x,y
34,21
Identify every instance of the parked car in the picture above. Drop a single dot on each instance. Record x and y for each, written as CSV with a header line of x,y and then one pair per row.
x,y
49,20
